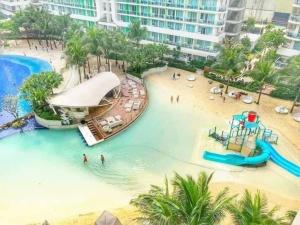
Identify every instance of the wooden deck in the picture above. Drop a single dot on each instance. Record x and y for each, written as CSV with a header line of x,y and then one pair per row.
x,y
108,122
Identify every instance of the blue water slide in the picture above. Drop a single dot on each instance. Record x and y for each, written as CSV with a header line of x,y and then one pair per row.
x,y
238,160
278,159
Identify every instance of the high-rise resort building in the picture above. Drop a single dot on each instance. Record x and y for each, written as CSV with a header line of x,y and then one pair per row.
x,y
9,7
197,26
293,29
235,18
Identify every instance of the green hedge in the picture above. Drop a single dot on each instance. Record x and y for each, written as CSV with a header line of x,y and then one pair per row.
x,y
136,73
182,65
47,114
284,92
201,63
252,87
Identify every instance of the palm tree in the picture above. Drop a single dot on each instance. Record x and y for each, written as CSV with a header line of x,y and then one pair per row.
x,y
76,53
253,210
137,32
263,70
94,38
249,24
230,61
189,203
291,75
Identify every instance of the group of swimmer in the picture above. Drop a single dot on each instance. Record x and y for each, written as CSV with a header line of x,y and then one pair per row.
x,y
85,159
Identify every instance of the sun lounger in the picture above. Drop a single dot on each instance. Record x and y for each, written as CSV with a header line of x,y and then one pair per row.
x,y
281,110
118,117
103,123
142,92
191,77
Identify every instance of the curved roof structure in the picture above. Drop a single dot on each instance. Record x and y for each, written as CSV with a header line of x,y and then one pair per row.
x,y
87,94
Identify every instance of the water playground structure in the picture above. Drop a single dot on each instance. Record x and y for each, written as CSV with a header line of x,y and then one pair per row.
x,y
251,141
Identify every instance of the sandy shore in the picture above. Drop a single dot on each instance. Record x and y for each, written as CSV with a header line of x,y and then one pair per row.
x,y
280,187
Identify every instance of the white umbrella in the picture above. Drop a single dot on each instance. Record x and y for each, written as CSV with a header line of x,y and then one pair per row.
x,y
215,90
296,117
248,99
281,109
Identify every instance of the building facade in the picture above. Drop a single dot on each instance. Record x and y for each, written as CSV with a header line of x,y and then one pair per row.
x,y
235,18
293,28
9,7
197,26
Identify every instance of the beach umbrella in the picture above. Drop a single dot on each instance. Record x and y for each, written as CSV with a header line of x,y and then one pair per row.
x,y
107,218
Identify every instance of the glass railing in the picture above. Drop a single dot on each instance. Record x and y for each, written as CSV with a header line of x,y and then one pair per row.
x,y
295,18
293,35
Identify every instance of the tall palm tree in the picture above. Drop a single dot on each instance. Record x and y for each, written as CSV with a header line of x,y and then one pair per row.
x,y
291,75
263,70
230,61
253,210
190,203
94,37
137,32
76,53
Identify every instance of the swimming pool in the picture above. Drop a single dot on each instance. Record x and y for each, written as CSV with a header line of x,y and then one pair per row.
x,y
14,69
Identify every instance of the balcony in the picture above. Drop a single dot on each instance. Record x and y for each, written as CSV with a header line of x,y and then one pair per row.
x,y
293,36
295,19
297,2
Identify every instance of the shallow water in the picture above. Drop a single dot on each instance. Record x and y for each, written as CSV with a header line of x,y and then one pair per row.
x,y
42,174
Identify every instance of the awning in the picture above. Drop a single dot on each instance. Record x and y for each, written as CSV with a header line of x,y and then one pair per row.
x,y
87,94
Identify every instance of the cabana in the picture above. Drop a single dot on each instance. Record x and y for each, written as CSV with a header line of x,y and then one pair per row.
x,y
77,102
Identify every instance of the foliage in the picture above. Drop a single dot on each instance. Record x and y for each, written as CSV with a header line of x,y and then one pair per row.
x,y
47,114
182,65
272,38
290,74
136,32
201,63
249,24
176,53
10,105
189,202
246,45
37,88
282,91
18,124
230,60
252,86
254,210
134,72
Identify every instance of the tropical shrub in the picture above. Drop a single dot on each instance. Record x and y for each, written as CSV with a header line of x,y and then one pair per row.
x,y
47,114
182,65
18,124
284,92
188,202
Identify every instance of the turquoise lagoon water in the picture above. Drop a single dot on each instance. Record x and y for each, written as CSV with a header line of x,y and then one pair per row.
x,y
14,69
45,166
42,174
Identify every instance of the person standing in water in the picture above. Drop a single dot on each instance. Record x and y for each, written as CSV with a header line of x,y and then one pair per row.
x,y
85,160
102,159
177,99
172,99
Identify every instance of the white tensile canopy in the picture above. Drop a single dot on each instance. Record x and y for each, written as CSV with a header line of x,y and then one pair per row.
x,y
87,94
107,218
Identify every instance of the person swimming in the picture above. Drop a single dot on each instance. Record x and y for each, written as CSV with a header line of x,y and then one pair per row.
x,y
102,159
85,160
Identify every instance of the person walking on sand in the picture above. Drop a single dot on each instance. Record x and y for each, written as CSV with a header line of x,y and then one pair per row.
x,y
177,99
172,99
85,160
224,99
102,159
174,76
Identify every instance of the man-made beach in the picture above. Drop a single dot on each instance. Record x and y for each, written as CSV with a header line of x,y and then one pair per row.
x,y
169,136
